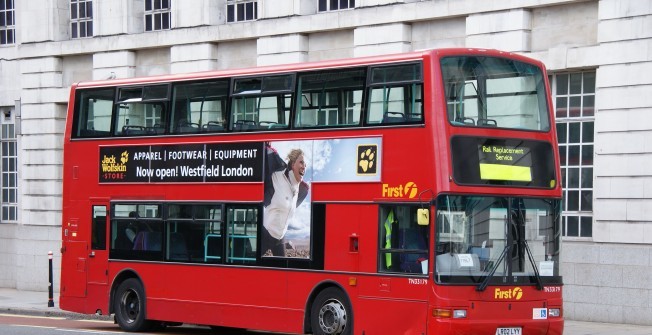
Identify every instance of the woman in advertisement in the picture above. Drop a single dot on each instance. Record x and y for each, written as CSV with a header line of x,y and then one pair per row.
x,y
285,190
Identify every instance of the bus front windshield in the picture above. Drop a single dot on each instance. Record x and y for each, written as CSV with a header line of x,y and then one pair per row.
x,y
495,92
484,240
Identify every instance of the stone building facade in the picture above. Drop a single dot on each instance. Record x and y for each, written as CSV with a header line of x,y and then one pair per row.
x,y
598,52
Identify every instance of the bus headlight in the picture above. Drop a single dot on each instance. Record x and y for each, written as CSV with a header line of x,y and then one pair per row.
x,y
459,313
554,312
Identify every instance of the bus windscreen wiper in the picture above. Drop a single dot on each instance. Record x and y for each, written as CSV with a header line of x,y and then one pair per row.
x,y
485,282
534,266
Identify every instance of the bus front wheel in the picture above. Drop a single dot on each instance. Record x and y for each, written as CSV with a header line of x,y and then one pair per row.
x,y
331,313
129,305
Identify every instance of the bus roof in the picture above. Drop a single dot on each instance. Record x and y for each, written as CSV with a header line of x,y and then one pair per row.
x,y
324,64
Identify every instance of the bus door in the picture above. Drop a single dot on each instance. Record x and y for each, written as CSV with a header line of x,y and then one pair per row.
x,y
73,261
400,291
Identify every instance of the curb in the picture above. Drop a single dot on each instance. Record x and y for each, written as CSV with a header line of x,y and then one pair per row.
x,y
55,312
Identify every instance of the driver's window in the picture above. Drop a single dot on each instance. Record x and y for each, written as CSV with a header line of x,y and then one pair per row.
x,y
403,243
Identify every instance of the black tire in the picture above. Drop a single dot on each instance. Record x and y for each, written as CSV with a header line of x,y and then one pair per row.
x,y
129,306
331,313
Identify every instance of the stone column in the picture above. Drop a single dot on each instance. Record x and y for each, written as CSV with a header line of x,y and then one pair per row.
x,y
193,57
111,65
505,30
382,39
42,124
282,49
623,125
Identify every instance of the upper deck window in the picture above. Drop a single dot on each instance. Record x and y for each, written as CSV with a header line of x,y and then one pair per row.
x,y
93,110
386,94
330,98
396,94
141,110
260,103
199,107
494,92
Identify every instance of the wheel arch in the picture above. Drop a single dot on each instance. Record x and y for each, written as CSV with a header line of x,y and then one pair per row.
x,y
307,324
119,278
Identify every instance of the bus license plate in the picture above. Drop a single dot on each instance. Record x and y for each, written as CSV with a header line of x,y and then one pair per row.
x,y
509,331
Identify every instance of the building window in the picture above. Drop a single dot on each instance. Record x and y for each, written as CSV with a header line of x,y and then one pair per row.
x,y
157,15
9,183
328,5
241,10
81,18
574,96
7,22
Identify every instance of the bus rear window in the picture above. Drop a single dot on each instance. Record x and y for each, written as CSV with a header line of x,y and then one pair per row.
x,y
494,92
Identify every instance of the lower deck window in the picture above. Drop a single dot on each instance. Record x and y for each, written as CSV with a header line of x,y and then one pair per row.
x,y
242,225
202,233
189,233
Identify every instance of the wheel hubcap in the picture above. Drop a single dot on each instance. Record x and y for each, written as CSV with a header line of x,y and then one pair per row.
x,y
130,306
332,317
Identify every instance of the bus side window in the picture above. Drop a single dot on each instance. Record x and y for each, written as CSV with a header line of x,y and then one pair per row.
x,y
330,98
212,221
403,243
136,231
98,228
395,104
194,233
261,103
199,107
141,110
395,94
241,235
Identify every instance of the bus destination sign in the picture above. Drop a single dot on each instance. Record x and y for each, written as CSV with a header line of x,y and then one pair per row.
x,y
182,163
501,161
505,162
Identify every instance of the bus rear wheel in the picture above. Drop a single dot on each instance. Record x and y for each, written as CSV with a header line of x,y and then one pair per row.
x,y
129,306
331,313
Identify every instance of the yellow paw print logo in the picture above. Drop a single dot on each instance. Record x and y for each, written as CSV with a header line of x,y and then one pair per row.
x,y
367,156
124,158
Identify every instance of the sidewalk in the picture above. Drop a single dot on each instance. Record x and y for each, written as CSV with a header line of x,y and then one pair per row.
x,y
36,303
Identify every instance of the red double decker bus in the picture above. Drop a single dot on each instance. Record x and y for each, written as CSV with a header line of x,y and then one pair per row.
x,y
416,193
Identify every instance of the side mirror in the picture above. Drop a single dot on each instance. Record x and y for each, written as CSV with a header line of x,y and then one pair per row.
x,y
423,216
